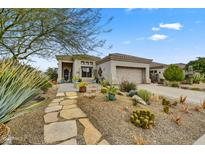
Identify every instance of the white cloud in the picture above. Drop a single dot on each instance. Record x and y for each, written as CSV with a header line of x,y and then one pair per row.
x,y
140,38
150,8
158,37
155,28
175,26
198,21
127,42
129,9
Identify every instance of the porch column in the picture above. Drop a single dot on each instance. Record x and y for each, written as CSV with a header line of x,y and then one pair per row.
x,y
147,76
59,71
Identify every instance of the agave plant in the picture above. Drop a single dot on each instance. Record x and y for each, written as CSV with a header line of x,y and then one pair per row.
x,y
18,85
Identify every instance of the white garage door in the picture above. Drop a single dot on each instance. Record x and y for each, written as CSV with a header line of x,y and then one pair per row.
x,y
135,75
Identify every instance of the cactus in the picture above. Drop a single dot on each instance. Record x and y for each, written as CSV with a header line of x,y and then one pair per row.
x,y
166,109
175,103
165,102
142,118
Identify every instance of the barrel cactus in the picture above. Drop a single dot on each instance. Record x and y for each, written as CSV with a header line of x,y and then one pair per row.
x,y
142,118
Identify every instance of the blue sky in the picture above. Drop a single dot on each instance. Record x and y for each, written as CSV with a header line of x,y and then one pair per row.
x,y
164,35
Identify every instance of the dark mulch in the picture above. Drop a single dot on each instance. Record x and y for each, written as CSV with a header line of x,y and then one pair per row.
x,y
28,128
112,120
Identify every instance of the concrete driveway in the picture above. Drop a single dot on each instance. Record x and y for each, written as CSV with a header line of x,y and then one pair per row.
x,y
175,93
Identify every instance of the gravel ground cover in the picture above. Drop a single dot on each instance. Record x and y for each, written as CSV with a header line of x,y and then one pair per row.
x,y
112,119
28,128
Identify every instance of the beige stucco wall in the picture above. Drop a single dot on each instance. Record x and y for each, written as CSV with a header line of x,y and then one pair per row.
x,y
60,69
106,72
161,76
128,64
76,70
110,73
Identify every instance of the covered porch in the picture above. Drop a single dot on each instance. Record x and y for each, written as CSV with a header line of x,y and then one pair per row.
x,y
65,72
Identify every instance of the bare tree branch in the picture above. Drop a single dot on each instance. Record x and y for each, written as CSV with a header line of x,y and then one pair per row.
x,y
47,32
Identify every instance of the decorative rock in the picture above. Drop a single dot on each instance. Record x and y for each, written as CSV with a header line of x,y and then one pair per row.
x,y
71,94
57,100
69,142
51,117
53,104
132,93
138,100
72,97
90,95
200,141
59,131
68,102
91,134
60,94
69,106
103,142
72,113
53,108
121,93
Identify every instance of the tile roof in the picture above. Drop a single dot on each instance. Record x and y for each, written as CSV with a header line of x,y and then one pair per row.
x,y
124,57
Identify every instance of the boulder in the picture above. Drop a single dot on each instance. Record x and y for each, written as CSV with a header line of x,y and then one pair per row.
x,y
139,100
121,93
132,93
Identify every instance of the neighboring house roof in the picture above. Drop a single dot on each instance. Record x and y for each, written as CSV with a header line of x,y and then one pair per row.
x,y
155,65
77,56
181,65
124,57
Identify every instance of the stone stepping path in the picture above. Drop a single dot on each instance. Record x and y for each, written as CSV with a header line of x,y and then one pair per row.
x,y
61,118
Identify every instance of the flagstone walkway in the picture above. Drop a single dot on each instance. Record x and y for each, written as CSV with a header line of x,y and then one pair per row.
x,y
61,122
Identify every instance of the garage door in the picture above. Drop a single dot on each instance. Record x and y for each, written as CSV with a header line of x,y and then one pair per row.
x,y
135,75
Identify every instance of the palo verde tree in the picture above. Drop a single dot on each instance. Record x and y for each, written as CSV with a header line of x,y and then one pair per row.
x,y
47,32
197,65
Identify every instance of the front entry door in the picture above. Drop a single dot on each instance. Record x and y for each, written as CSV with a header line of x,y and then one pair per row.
x,y
66,75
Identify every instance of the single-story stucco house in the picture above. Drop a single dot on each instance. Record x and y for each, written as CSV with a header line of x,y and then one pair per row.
x,y
82,66
157,70
120,67
115,68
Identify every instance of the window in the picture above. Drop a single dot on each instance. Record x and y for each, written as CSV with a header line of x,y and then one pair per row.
x,y
159,72
82,62
155,71
87,63
151,71
86,72
91,63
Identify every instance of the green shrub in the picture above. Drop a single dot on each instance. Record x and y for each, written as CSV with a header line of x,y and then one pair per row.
x,y
197,78
144,94
190,81
52,73
76,79
174,84
127,86
143,118
104,83
82,84
112,90
196,89
46,86
174,73
104,90
19,84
